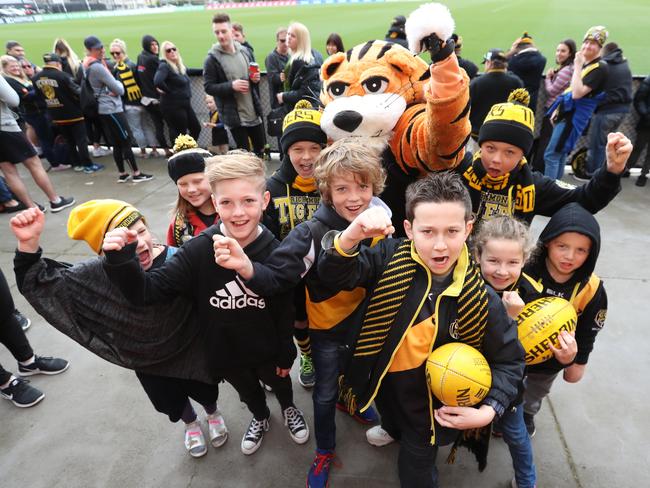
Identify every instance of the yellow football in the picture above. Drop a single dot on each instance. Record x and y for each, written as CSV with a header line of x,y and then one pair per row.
x,y
458,375
540,323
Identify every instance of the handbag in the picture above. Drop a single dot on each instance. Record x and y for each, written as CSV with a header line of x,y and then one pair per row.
x,y
274,120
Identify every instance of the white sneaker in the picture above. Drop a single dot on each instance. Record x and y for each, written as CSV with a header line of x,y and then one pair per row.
x,y
295,422
194,440
378,437
217,429
98,152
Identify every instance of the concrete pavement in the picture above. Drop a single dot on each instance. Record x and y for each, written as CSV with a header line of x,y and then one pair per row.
x,y
96,427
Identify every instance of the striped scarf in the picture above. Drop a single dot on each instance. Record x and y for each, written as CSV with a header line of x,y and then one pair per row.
x,y
386,301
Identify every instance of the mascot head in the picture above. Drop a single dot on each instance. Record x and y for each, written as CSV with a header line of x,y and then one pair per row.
x,y
366,90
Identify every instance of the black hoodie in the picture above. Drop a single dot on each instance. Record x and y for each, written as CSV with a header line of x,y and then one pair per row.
x,y
618,87
147,67
584,289
289,206
329,310
241,328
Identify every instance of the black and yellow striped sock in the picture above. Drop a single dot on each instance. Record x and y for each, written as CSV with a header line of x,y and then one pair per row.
x,y
302,339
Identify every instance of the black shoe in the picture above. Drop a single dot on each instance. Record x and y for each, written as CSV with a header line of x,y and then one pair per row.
x,y
142,177
625,174
43,365
254,435
641,180
529,420
64,202
21,394
22,320
16,208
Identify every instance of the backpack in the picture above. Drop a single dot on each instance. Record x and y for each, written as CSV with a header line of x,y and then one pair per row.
x,y
87,97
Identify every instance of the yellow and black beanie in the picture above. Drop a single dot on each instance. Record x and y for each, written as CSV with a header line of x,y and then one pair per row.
x,y
302,124
597,33
511,122
188,158
91,220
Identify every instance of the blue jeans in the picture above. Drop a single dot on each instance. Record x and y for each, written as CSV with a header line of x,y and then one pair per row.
x,y
417,465
601,125
325,353
511,424
5,194
553,160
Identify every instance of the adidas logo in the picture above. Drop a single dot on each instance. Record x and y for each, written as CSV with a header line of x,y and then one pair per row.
x,y
234,295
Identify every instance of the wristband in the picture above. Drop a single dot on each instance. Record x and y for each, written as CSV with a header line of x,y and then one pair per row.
x,y
339,249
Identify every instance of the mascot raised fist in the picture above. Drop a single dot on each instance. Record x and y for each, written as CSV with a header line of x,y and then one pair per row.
x,y
417,114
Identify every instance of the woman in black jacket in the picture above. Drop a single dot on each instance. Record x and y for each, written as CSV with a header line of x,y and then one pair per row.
x,y
173,83
301,80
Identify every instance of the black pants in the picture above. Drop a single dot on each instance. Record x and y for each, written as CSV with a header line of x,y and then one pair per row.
x,y
246,382
119,136
11,333
245,137
77,139
94,129
153,109
181,119
642,140
170,395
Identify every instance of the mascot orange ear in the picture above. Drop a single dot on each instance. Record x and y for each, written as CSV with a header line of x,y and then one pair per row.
x,y
331,65
411,66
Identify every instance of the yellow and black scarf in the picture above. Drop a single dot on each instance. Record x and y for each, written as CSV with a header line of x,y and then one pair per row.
x,y
131,88
512,193
380,329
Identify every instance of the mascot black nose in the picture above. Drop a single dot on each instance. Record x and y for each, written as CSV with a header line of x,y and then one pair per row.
x,y
348,120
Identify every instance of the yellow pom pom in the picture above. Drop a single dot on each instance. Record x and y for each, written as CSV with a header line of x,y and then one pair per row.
x,y
302,104
519,95
183,142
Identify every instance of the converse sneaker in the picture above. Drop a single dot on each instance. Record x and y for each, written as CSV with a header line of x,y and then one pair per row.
x,y
43,365
93,168
320,469
21,394
307,376
22,320
296,424
217,429
252,439
194,440
529,420
123,178
378,437
64,202
142,177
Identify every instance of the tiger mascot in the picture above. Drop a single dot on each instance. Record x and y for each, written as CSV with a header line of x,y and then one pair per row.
x,y
417,114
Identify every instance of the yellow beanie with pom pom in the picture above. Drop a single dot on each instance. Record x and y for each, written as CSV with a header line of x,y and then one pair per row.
x,y
512,122
302,124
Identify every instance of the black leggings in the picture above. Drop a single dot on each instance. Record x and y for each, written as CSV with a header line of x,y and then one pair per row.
x,y
181,119
170,395
153,109
11,333
119,135
245,137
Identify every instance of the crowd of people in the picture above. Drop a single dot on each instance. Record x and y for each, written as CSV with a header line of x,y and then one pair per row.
x,y
311,253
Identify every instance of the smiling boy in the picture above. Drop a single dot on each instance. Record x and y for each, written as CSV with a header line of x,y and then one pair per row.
x,y
501,182
249,335
422,292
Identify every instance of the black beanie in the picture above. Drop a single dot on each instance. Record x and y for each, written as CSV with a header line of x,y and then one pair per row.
x,y
302,124
187,162
511,122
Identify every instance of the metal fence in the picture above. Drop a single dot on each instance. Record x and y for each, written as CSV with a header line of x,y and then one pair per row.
x,y
198,102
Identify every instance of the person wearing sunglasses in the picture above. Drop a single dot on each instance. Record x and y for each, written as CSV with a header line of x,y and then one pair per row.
x,y
173,83
126,72
108,92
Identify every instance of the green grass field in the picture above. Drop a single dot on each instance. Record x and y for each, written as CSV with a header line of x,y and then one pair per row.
x,y
482,23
